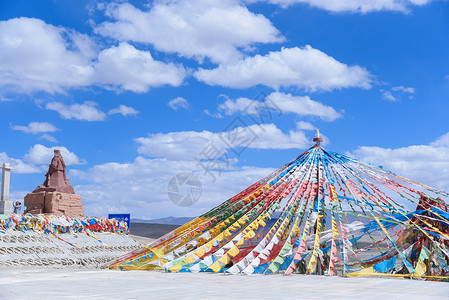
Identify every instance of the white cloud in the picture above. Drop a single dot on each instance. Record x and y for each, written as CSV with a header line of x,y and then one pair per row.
x,y
186,145
84,112
49,138
3,99
302,125
124,111
408,90
39,154
281,103
396,93
306,68
125,187
387,95
134,70
215,29
428,164
37,56
214,115
182,145
36,127
356,6
442,141
37,159
178,103
18,165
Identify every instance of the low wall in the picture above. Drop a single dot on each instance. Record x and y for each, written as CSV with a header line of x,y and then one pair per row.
x,y
51,241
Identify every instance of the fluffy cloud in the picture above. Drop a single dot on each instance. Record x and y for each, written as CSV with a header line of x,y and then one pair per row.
x,y
39,154
306,68
134,70
124,111
301,125
396,92
125,187
18,165
37,56
199,28
49,138
37,159
442,141
282,103
84,112
428,164
178,103
359,6
36,127
187,145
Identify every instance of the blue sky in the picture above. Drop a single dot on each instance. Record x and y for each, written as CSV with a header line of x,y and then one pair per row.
x,y
136,92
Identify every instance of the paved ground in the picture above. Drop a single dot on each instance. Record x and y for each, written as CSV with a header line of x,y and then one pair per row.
x,y
112,284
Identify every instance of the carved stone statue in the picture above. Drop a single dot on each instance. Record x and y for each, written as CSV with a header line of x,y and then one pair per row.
x,y
56,195
56,178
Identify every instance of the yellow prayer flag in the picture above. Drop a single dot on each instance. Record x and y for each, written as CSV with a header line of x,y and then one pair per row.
x,y
188,260
420,268
312,264
224,259
296,229
219,237
233,251
250,234
158,252
209,245
176,268
363,272
335,232
215,267
240,242
200,252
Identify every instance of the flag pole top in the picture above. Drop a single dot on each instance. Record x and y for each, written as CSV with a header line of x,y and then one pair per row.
x,y
318,140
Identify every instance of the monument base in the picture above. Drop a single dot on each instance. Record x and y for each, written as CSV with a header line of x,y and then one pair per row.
x,y
54,203
6,207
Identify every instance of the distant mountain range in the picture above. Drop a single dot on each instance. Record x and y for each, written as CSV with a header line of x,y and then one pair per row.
x,y
175,220
167,220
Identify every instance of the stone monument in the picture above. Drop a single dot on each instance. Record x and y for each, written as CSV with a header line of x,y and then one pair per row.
x,y
6,206
56,195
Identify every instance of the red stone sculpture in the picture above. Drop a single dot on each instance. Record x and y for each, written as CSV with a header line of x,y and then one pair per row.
x,y
56,195
56,178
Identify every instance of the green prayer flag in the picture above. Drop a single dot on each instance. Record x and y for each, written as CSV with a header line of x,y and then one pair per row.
x,y
273,268
424,253
279,260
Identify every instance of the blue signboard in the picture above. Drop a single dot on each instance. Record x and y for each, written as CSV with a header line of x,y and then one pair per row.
x,y
121,217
